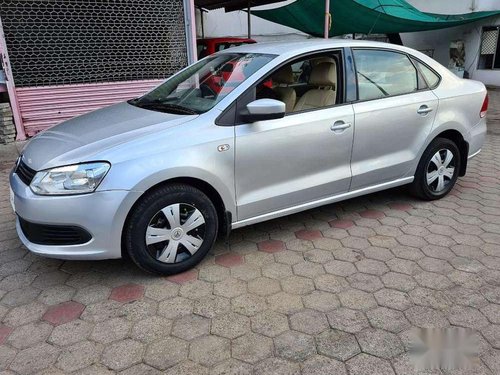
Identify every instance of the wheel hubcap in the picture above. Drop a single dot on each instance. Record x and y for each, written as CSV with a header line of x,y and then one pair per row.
x,y
440,170
175,233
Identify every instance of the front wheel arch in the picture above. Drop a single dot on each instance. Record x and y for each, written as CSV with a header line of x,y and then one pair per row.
x,y
223,216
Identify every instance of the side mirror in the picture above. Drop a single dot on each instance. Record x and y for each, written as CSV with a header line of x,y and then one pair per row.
x,y
263,109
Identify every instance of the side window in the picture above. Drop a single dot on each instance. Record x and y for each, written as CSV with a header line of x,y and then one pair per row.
x,y
430,77
384,73
311,82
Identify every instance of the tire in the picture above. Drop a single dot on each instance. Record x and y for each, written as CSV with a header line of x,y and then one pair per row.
x,y
157,235
429,167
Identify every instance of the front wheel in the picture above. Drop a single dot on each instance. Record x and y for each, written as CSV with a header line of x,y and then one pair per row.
x,y
171,229
437,171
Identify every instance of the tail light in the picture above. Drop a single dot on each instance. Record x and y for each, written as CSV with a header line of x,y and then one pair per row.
x,y
484,108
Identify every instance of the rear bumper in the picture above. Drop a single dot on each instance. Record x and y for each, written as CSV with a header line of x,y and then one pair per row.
x,y
101,214
477,136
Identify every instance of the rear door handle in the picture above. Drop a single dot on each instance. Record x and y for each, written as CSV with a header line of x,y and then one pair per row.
x,y
340,126
423,110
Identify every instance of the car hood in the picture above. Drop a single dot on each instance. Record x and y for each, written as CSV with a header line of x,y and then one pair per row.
x,y
78,139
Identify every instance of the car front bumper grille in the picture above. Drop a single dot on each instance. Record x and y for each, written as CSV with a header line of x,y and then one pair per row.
x,y
56,235
25,173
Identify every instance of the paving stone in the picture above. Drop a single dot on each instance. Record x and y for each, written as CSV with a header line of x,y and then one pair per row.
x,y
20,296
347,320
271,246
142,369
295,346
263,286
340,268
162,291
308,269
183,277
29,335
388,319
70,333
210,306
492,334
24,314
196,289
175,308
56,295
425,317
151,329
365,282
229,260
246,272
371,266
127,293
285,303
63,313
230,288
330,283
492,312
7,355
318,256
79,355
209,350
364,364
357,299
337,345
248,304
230,325
190,326
398,281
252,348
320,365
269,323
309,321
321,301
35,359
277,366
432,298
232,367
166,353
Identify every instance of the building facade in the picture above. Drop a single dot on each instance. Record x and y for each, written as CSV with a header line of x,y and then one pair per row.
x,y
65,58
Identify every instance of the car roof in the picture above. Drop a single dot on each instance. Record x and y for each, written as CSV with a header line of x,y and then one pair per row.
x,y
309,45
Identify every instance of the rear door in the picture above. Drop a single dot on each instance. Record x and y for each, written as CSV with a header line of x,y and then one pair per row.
x,y
394,114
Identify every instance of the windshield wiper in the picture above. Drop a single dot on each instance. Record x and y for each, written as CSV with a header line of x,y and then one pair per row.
x,y
374,83
165,107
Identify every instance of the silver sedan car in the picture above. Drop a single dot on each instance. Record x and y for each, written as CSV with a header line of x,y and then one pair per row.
x,y
243,136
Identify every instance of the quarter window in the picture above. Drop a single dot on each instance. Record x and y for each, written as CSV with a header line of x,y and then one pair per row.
x,y
431,78
384,73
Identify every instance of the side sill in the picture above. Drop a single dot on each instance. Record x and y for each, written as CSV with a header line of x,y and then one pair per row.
x,y
474,154
321,202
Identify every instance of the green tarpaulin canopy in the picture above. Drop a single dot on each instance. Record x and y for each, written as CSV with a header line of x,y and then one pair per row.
x,y
363,16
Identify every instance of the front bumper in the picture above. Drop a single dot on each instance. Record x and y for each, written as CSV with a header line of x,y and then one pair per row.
x,y
101,213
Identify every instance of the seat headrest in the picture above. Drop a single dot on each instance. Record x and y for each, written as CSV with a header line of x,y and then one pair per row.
x,y
322,60
324,74
284,75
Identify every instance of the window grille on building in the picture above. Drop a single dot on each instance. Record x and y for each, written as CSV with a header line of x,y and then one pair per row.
x,y
54,42
489,55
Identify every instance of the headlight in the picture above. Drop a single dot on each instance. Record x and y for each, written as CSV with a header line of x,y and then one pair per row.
x,y
71,179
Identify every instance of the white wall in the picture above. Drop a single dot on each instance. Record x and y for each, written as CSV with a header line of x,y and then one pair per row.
x,y
218,23
454,6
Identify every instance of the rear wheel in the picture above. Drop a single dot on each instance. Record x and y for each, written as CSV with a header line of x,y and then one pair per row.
x,y
437,171
171,229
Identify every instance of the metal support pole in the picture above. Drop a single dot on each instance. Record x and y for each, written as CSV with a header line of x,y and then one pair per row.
x,y
249,22
11,88
190,21
327,19
202,23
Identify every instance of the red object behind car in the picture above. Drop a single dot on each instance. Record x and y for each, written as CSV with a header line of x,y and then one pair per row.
x,y
211,45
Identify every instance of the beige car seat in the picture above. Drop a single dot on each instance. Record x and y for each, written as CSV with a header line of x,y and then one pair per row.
x,y
323,75
282,78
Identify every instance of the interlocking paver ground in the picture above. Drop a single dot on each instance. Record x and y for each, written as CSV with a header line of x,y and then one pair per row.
x,y
336,290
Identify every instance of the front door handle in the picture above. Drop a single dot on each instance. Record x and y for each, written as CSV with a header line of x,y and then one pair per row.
x,y
423,110
340,126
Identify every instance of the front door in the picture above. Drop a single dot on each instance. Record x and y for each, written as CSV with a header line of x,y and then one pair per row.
x,y
294,160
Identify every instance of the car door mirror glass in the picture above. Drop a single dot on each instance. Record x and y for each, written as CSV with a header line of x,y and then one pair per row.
x,y
263,109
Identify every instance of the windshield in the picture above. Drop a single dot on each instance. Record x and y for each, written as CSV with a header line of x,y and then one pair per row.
x,y
201,86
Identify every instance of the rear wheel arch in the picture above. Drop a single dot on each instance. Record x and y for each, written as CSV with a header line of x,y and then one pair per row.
x,y
456,137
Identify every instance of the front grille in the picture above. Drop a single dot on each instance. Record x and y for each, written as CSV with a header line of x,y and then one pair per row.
x,y
25,173
61,235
